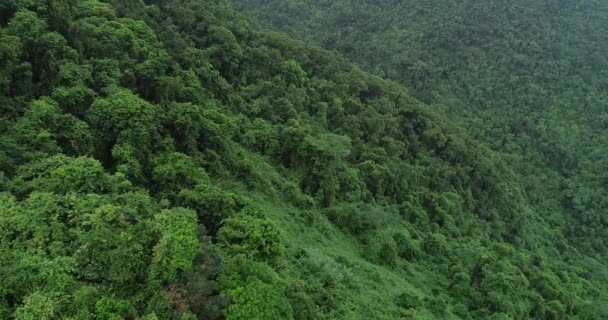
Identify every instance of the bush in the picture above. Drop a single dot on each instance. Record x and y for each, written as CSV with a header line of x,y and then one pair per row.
x,y
383,249
353,218
435,245
408,300
554,310
438,306
407,248
257,291
251,234
258,300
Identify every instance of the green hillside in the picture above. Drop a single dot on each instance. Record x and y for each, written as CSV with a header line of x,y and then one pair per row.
x,y
168,160
528,78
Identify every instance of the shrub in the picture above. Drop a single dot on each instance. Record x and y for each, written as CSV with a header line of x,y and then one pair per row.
x,y
258,300
435,245
353,218
407,248
408,300
382,248
251,234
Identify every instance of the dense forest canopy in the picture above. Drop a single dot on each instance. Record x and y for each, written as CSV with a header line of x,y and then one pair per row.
x,y
528,78
168,160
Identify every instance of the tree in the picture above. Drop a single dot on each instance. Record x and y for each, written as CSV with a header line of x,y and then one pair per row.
x,y
178,244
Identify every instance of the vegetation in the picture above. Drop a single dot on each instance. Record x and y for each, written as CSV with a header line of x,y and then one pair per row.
x,y
166,160
527,78
523,77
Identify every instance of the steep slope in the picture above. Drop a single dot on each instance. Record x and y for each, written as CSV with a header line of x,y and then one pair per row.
x,y
525,77
167,161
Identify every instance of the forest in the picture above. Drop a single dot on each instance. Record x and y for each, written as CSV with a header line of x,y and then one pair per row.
x,y
186,159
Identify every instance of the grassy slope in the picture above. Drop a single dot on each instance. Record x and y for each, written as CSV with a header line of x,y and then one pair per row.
x,y
368,290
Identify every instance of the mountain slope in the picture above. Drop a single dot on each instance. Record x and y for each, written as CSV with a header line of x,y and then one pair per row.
x,y
526,78
168,161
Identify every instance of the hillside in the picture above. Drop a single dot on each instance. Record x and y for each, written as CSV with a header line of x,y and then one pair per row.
x,y
526,78
168,160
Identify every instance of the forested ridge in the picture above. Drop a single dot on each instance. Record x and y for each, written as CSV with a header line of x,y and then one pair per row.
x,y
169,160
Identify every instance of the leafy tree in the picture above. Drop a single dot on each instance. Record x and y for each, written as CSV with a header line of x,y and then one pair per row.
x,y
178,244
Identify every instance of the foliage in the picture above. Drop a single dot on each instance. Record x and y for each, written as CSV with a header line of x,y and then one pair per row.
x,y
166,160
